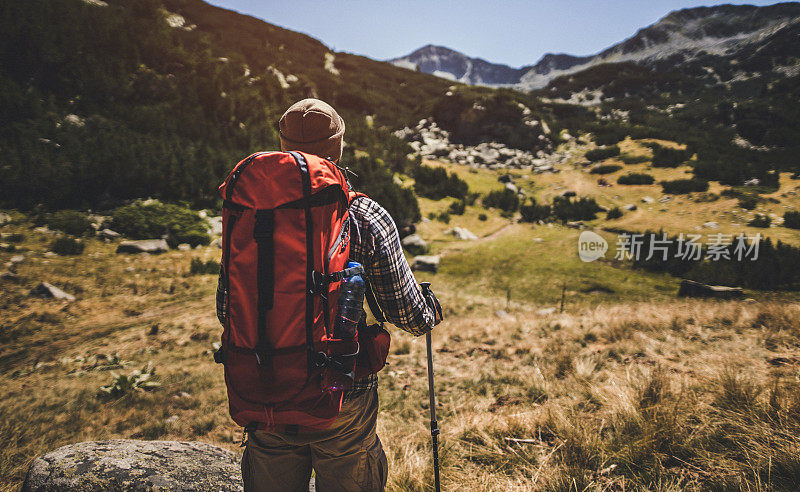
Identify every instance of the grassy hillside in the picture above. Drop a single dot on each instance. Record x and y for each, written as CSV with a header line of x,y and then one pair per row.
x,y
101,103
625,388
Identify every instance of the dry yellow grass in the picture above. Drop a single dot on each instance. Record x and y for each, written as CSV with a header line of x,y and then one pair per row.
x,y
663,395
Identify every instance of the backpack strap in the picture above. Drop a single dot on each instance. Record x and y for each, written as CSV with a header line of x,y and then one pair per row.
x,y
372,301
305,175
263,233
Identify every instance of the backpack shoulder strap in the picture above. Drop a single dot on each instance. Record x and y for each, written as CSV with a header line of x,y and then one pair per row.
x,y
372,301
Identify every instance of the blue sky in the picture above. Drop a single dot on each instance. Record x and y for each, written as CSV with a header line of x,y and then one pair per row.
x,y
514,32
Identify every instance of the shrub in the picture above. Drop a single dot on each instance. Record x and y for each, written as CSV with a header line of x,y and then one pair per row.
x,y
668,157
139,380
760,220
602,153
683,186
535,212
791,219
199,267
633,159
565,209
147,220
748,202
67,246
69,221
457,207
436,183
607,169
482,217
505,200
443,217
614,213
636,179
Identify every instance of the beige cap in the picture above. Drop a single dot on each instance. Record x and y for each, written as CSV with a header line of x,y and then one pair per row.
x,y
314,127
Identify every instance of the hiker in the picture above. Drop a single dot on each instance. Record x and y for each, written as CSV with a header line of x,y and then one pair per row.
x,y
345,454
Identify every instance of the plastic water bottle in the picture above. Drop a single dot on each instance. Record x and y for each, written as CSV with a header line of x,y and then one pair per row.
x,y
351,300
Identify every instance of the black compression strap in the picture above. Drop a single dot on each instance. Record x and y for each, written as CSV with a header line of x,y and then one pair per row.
x,y
373,304
235,176
263,233
306,178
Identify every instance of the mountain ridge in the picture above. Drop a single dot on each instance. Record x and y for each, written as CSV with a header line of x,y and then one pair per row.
x,y
683,34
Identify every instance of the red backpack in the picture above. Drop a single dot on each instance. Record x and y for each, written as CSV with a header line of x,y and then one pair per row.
x,y
286,242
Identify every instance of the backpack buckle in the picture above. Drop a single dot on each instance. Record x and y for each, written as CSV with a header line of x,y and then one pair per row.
x,y
263,355
319,283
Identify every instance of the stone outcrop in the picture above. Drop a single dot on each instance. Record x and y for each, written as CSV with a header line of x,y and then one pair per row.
x,y
128,465
690,288
415,245
143,246
426,264
49,291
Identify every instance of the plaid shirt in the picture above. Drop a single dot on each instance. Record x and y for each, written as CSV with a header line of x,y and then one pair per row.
x,y
375,243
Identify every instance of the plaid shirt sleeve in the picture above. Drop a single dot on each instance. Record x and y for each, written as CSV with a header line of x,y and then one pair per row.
x,y
375,244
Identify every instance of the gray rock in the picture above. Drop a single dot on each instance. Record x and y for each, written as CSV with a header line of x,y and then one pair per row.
x,y
17,259
415,245
143,246
630,207
109,234
50,291
216,226
711,225
426,263
135,466
184,247
511,187
648,199
462,234
546,311
690,288
10,277
576,224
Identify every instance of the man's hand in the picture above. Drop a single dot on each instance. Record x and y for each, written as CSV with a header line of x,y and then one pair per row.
x,y
432,302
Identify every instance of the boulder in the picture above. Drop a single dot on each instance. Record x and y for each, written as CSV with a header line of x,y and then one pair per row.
x,y
630,207
143,246
711,225
511,187
50,291
216,226
426,264
109,234
184,247
462,234
648,199
690,288
132,465
415,245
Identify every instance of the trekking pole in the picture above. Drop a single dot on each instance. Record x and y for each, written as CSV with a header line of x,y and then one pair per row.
x,y
434,424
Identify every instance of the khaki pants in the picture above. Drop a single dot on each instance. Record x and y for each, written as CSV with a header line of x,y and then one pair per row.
x,y
346,457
